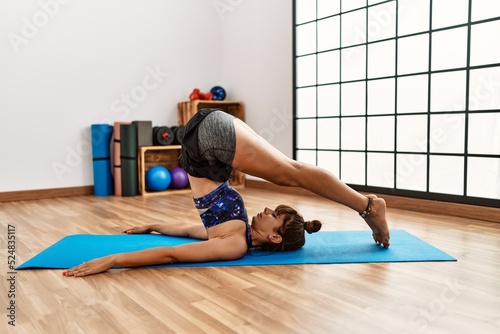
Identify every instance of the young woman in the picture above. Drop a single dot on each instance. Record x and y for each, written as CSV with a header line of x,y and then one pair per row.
x,y
214,143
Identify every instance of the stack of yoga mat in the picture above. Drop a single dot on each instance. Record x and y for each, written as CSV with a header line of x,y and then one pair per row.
x,y
127,136
101,156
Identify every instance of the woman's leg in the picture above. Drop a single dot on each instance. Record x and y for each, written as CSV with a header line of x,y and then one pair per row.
x,y
257,157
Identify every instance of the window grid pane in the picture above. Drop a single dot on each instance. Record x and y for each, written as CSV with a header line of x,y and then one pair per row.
x,y
405,97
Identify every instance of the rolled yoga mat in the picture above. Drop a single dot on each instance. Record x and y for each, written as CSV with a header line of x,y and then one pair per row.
x,y
101,156
128,150
117,161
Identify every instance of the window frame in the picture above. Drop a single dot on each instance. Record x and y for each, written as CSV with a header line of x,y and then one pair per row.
x,y
428,152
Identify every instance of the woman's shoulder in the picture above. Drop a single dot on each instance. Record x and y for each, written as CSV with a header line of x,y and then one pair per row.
x,y
231,234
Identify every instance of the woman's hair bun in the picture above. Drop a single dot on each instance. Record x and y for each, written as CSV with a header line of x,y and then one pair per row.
x,y
312,226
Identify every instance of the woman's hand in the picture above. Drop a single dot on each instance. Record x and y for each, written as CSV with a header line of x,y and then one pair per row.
x,y
143,229
95,266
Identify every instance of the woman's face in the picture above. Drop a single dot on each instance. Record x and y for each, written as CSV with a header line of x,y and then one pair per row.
x,y
267,221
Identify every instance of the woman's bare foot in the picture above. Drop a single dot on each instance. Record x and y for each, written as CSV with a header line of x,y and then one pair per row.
x,y
374,216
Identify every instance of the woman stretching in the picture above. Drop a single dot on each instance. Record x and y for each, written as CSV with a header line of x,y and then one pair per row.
x,y
214,143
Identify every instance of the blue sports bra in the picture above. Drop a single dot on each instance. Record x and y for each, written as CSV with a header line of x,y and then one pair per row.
x,y
223,204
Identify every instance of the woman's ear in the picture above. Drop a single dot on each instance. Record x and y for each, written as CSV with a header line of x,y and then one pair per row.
x,y
275,238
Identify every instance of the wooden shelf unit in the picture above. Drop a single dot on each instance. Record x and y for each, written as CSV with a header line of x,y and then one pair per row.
x,y
167,156
150,156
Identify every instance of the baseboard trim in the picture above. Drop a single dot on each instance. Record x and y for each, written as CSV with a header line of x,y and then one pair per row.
x,y
405,203
28,195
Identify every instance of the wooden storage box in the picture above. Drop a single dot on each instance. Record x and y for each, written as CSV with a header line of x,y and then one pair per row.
x,y
187,109
150,156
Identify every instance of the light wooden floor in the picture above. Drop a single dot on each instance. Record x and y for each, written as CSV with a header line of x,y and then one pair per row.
x,y
450,297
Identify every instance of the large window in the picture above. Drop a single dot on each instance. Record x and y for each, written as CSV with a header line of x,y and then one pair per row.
x,y
401,97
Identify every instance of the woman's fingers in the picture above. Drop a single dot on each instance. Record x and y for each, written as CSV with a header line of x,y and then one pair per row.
x,y
89,268
75,271
136,230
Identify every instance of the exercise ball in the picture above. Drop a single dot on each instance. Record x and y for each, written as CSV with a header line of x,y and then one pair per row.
x,y
158,178
218,93
179,178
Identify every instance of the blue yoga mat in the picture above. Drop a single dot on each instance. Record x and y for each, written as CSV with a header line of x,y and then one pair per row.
x,y
101,156
320,248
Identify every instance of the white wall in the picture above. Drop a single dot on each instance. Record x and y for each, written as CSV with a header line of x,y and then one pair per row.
x,y
258,66
65,65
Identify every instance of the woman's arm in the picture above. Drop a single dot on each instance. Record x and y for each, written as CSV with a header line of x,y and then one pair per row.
x,y
179,229
216,249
